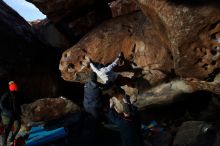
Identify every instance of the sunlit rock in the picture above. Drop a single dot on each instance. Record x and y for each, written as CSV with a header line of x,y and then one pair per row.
x,y
172,49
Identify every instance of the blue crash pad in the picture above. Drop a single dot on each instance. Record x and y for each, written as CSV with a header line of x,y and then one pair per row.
x,y
39,136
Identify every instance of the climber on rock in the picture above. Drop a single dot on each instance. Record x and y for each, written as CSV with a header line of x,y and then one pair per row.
x,y
93,103
128,123
92,96
108,76
106,73
10,112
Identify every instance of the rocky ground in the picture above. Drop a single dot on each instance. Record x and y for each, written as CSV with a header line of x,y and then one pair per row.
x,y
188,122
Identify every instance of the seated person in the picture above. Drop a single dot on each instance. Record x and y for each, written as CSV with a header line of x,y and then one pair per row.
x,y
128,123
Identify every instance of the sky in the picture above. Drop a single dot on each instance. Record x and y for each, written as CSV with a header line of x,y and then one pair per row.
x,y
27,10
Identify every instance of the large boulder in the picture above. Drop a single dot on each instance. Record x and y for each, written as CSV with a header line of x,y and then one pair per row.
x,y
74,18
131,34
175,40
46,109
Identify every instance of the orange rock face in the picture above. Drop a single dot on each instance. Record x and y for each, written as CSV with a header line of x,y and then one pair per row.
x,y
144,50
179,36
191,29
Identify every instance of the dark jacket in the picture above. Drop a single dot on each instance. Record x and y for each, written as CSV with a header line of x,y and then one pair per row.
x,y
130,128
92,95
10,105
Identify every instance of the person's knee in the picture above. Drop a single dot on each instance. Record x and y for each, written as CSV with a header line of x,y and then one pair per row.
x,y
17,123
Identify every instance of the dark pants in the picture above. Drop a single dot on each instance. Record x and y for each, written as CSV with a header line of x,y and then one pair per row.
x,y
8,123
92,126
95,112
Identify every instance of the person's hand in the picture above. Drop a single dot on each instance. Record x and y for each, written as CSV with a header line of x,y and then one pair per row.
x,y
121,59
120,55
85,63
87,59
124,100
112,104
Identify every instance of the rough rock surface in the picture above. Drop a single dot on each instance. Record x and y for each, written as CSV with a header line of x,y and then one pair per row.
x,y
175,40
196,133
60,9
122,7
190,29
131,34
76,28
167,93
48,34
47,109
74,18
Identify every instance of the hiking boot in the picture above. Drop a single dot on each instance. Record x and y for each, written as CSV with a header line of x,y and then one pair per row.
x,y
10,144
12,138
